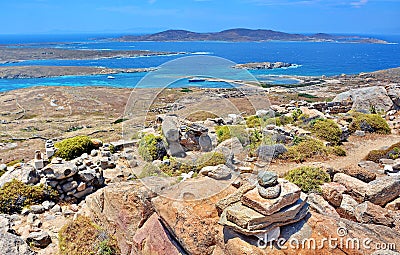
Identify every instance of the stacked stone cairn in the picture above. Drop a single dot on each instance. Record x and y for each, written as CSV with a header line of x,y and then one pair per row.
x,y
264,207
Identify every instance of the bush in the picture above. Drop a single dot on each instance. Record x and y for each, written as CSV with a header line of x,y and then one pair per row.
x,y
296,114
280,121
308,178
210,159
254,121
393,152
15,195
201,116
229,131
306,149
372,123
82,236
151,147
338,151
74,147
327,130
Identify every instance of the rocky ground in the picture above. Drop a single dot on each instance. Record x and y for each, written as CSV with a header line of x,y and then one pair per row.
x,y
243,206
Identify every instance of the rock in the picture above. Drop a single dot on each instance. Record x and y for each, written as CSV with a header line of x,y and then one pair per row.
x,y
347,207
3,167
4,224
364,98
290,193
318,204
354,186
386,161
369,165
60,171
84,193
268,152
31,218
152,238
55,209
220,172
14,245
267,178
205,143
394,94
69,186
39,239
265,113
360,133
37,209
312,113
87,175
383,190
234,197
81,187
26,174
394,205
270,192
121,208
370,213
94,153
229,146
48,204
359,173
333,193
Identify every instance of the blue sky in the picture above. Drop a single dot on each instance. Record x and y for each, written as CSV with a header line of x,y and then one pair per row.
x,y
129,16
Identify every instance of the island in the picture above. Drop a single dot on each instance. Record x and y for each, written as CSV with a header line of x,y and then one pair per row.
x,y
264,65
246,35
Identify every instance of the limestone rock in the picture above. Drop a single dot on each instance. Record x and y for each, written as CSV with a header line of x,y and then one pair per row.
x,y
354,186
39,239
347,207
364,98
370,213
153,239
318,204
60,171
383,190
14,245
333,192
290,193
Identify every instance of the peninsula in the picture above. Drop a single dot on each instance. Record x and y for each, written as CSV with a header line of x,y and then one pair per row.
x,y
246,35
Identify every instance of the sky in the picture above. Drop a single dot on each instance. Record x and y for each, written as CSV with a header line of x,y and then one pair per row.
x,y
149,16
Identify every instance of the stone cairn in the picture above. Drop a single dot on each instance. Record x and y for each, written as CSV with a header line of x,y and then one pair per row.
x,y
261,209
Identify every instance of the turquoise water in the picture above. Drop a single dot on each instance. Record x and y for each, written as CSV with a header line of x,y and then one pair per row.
x,y
314,59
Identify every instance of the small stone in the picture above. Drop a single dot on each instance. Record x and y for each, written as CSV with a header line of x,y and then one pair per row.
x,y
69,186
359,133
3,167
55,209
94,153
37,209
270,192
31,218
81,186
39,239
245,169
267,179
48,204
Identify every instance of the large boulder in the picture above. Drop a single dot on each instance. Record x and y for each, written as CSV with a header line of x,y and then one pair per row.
x,y
121,208
394,94
359,173
365,98
370,213
26,174
268,152
60,171
14,245
354,186
383,190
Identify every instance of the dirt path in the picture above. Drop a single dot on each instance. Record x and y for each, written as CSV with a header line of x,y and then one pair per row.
x,y
357,148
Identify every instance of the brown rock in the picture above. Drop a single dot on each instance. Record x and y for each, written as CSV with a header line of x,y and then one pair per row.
x,y
333,192
318,204
234,197
347,207
360,173
121,208
370,213
383,190
153,239
290,193
394,205
354,186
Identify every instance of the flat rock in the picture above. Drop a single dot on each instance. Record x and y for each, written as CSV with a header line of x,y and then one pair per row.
x,y
360,173
347,207
333,192
370,213
234,197
354,186
394,205
320,205
153,239
247,218
14,245
60,171
39,239
383,190
290,193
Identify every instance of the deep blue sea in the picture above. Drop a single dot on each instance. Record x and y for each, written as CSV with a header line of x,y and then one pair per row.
x,y
313,58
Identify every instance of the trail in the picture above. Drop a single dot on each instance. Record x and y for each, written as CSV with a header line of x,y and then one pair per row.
x,y
357,149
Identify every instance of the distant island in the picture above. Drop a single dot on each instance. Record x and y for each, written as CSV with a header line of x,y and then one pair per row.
x,y
246,35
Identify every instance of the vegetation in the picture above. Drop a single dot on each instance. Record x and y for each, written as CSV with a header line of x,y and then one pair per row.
x,y
338,151
176,167
393,152
151,147
82,236
229,131
327,130
15,195
280,121
306,149
296,114
309,179
14,162
201,116
372,123
2,172
73,147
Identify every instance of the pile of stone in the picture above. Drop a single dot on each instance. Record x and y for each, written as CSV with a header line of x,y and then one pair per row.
x,y
261,209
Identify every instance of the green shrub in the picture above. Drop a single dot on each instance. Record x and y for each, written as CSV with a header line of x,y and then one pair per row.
x,y
151,147
306,149
15,195
372,123
210,159
82,236
74,147
327,130
308,178
280,121
254,121
338,151
296,114
393,152
229,131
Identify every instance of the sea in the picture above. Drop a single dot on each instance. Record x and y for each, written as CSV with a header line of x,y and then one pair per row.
x,y
310,59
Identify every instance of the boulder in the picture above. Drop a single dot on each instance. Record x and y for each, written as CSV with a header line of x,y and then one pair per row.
x,y
354,186
170,128
312,113
39,239
359,173
14,245
229,146
383,190
365,98
370,213
394,94
121,208
347,207
26,174
205,143
267,178
37,209
369,165
219,172
333,193
60,171
268,152
265,113
153,239
318,204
